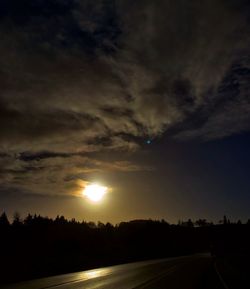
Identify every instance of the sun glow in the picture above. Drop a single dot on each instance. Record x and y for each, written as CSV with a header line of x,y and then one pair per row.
x,y
94,192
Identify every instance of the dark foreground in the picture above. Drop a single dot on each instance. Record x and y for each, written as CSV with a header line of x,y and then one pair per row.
x,y
183,272
38,247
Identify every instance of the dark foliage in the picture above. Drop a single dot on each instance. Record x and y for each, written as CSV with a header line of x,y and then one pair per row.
x,y
40,246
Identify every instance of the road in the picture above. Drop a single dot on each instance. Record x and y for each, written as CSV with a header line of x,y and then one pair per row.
x,y
173,273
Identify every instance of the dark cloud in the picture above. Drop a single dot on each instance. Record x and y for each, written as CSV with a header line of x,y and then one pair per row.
x,y
28,156
81,76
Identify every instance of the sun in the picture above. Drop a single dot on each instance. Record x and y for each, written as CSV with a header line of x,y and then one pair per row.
x,y
95,192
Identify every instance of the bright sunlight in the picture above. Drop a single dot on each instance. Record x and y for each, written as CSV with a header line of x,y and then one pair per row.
x,y
95,192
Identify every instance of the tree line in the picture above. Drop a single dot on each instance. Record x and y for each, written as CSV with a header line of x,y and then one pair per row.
x,y
38,246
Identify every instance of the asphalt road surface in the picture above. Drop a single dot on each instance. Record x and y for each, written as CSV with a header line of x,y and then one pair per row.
x,y
182,272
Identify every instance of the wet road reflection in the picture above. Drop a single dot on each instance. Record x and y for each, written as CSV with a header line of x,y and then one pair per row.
x,y
150,274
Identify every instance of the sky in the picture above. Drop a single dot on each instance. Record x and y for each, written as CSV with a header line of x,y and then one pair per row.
x,y
148,98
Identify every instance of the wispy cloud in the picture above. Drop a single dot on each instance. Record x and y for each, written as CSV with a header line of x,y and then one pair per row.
x,y
53,173
84,76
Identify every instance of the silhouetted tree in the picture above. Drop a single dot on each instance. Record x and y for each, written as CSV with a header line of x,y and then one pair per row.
x,y
92,225
202,223
60,220
100,225
16,219
190,224
28,220
225,220
4,222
